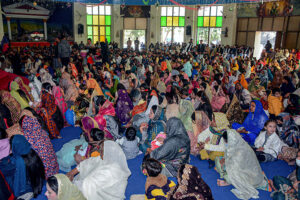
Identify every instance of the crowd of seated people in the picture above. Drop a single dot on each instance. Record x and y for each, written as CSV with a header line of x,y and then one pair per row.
x,y
167,102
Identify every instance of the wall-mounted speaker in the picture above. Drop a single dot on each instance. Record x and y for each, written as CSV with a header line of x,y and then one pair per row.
x,y
188,30
80,29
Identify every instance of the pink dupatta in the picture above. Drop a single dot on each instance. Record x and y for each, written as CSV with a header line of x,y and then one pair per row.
x,y
59,100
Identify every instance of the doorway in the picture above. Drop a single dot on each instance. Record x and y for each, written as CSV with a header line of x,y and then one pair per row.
x,y
261,39
133,35
172,34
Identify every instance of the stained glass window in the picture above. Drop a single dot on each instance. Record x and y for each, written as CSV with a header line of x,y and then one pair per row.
x,y
172,20
98,21
209,24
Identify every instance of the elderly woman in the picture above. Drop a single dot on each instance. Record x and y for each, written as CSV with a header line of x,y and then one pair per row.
x,y
103,175
176,148
240,168
69,88
253,123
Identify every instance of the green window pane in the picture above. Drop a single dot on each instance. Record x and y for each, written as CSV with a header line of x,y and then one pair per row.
x,y
219,22
107,30
108,20
163,21
200,21
181,21
108,39
90,30
89,19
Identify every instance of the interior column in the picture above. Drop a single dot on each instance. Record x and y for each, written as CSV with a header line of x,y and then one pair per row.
x,y
9,28
45,29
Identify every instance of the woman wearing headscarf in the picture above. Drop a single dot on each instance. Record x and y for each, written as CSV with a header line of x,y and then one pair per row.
x,y
235,112
23,169
240,168
69,88
25,88
50,112
172,108
123,105
288,130
46,77
149,130
12,104
287,86
59,99
190,185
105,119
219,98
61,188
36,88
277,80
253,123
103,175
176,148
18,94
91,83
40,142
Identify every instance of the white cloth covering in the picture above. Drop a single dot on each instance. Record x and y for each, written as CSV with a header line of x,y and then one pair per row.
x,y
104,179
272,146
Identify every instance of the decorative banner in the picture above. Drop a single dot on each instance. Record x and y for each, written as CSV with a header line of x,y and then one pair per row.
x,y
135,11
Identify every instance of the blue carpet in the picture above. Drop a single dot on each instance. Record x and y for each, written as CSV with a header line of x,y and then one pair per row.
x,y
136,182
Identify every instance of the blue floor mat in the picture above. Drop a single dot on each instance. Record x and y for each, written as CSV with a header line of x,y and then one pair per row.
x,y
136,182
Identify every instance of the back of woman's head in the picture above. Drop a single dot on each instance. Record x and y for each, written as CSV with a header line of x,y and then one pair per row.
x,y
120,87
35,171
47,87
39,118
23,95
154,108
97,134
294,99
3,134
53,184
152,166
130,134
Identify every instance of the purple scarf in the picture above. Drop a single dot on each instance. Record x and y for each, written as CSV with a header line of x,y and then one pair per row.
x,y
4,148
124,106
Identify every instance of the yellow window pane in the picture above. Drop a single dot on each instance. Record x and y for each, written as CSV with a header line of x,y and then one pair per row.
x,y
175,21
95,30
96,39
95,20
169,21
102,30
102,38
102,20
213,21
206,22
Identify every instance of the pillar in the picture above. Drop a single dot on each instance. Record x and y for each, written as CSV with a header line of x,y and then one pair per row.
x,y
45,29
8,28
1,25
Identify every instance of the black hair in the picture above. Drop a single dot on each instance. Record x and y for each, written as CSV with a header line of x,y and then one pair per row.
x,y
180,171
269,121
225,136
152,166
98,102
154,108
35,170
47,86
194,116
203,85
274,90
170,98
97,134
53,184
23,95
90,91
120,86
184,91
294,99
3,134
130,134
206,106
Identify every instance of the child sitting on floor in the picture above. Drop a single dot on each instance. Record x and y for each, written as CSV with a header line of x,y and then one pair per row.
x,y
268,144
158,141
129,143
275,103
157,185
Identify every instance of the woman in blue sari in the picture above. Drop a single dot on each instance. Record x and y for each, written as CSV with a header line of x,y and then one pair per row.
x,y
155,125
253,123
23,169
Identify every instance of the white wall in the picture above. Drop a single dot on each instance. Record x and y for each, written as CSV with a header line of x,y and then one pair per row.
x,y
1,25
154,26
229,21
117,25
79,17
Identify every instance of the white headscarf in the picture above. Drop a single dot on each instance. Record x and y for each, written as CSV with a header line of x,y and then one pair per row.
x,y
242,167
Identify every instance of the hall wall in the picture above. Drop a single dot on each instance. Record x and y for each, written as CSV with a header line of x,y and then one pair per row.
x,y
1,24
153,24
